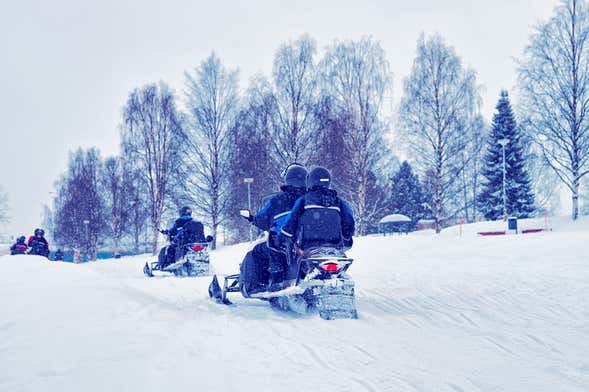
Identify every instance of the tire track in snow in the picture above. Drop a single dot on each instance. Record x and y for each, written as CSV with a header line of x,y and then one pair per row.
x,y
364,352
322,363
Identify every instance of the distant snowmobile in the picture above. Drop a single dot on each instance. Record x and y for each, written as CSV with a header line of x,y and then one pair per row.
x,y
187,254
317,280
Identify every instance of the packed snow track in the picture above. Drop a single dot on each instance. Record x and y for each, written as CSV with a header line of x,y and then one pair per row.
x,y
443,313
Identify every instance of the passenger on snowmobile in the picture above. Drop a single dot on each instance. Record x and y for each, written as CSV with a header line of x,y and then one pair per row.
x,y
271,218
177,234
20,247
58,255
319,217
38,243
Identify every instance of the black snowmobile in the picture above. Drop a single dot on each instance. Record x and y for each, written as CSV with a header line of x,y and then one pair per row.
x,y
317,279
39,248
187,254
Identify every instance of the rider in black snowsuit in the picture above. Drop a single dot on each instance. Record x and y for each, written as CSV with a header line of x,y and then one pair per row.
x,y
271,218
176,232
38,243
20,247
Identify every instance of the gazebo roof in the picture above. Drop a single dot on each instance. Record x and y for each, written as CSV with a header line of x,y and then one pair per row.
x,y
395,218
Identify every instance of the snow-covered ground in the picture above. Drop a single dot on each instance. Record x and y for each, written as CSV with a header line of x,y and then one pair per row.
x,y
437,313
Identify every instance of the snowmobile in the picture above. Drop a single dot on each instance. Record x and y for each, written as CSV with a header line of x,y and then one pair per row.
x,y
39,248
317,280
184,256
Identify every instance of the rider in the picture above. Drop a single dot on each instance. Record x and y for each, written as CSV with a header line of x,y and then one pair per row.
x,y
20,247
177,228
58,255
38,243
272,217
319,217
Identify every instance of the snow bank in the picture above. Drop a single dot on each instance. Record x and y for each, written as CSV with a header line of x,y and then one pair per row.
x,y
437,313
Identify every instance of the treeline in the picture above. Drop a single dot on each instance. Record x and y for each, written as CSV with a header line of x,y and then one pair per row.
x,y
197,148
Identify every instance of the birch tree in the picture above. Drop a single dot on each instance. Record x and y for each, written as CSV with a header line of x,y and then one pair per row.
x,y
436,115
357,75
151,137
295,84
554,80
212,99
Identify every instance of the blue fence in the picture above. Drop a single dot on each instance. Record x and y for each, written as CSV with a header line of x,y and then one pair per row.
x,y
68,257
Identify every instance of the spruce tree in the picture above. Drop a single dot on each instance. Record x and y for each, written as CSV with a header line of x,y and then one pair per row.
x,y
407,196
519,196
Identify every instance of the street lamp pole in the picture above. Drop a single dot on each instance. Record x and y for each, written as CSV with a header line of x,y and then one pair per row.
x,y
249,181
86,222
503,143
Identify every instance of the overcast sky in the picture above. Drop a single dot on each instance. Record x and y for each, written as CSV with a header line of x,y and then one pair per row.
x,y
66,67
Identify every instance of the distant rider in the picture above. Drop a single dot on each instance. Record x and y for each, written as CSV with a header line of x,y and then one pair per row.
x,y
319,217
20,247
58,255
38,244
177,230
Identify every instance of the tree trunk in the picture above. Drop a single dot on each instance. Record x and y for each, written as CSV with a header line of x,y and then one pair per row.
x,y
156,233
116,246
575,212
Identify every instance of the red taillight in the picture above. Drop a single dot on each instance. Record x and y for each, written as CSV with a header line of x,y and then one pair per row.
x,y
197,247
330,267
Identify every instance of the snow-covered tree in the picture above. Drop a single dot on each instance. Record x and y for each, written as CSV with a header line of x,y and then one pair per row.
x,y
554,79
212,103
116,182
519,199
137,198
152,139
472,159
331,147
407,196
357,76
295,87
79,205
437,113
251,156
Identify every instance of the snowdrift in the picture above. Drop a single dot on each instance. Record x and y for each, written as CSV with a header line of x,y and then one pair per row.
x,y
437,313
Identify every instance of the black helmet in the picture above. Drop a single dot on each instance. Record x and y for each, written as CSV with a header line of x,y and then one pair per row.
x,y
295,175
319,177
21,239
185,211
39,231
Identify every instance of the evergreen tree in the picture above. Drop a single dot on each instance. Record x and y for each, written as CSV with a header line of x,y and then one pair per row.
x,y
519,196
407,195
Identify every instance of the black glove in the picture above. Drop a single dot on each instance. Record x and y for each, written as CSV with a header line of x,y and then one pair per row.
x,y
165,232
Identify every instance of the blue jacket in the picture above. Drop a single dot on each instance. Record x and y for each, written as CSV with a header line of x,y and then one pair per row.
x,y
319,218
274,214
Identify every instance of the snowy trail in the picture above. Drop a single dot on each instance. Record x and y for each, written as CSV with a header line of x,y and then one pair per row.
x,y
436,314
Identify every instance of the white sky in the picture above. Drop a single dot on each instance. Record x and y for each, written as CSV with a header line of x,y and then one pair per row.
x,y
66,67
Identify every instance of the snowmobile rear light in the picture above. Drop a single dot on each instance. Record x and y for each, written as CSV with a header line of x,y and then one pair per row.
x,y
197,248
330,266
